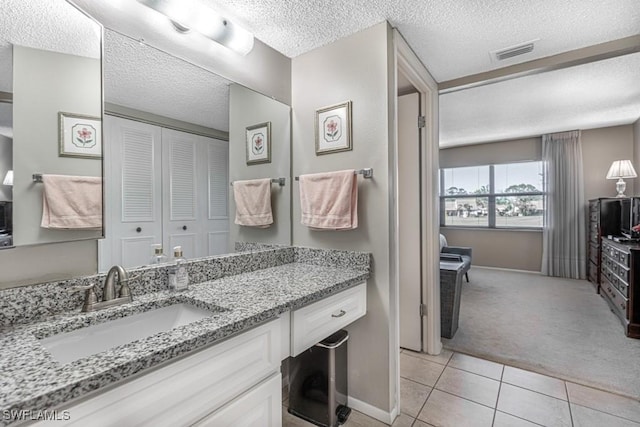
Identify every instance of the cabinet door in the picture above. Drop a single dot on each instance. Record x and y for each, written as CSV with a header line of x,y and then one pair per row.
x,y
133,202
259,407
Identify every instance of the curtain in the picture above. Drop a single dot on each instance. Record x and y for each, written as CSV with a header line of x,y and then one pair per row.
x,y
564,237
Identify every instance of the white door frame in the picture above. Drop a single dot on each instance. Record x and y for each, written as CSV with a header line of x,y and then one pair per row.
x,y
407,63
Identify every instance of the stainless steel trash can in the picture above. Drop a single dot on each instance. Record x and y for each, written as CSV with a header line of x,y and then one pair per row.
x,y
318,382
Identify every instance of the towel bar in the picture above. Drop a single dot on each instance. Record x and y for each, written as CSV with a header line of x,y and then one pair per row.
x,y
366,173
280,181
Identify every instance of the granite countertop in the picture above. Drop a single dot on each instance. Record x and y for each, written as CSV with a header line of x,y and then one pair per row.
x,y
32,380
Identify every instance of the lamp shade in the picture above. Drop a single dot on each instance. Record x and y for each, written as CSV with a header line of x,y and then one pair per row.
x,y
8,178
621,169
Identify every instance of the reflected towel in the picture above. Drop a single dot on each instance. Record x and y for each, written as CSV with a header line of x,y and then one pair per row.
x,y
329,201
253,202
71,202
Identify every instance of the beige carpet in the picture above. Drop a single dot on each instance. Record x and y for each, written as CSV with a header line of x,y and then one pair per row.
x,y
558,327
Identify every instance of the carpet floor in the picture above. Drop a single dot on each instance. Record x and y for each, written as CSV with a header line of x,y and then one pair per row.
x,y
557,327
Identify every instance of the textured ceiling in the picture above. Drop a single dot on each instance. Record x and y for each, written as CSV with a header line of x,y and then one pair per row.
x,y
599,94
51,25
141,77
453,38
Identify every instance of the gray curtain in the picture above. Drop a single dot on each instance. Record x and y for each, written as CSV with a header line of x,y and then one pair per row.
x,y
563,240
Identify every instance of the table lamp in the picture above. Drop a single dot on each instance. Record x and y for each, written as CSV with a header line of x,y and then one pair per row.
x,y
619,170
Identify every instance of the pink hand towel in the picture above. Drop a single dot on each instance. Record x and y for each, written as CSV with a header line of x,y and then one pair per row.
x,y
71,202
329,201
253,202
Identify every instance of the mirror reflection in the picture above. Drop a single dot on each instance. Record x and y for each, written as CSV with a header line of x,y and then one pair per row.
x,y
52,73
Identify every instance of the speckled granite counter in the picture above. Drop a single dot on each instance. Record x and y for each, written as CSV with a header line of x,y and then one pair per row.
x,y
32,380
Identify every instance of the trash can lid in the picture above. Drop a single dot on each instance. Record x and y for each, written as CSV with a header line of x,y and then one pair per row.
x,y
334,340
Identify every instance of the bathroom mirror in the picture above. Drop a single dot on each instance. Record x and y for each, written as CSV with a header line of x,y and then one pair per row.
x,y
131,93
51,66
182,113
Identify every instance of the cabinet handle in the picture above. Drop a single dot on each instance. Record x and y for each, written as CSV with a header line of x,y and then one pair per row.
x,y
184,227
342,313
139,229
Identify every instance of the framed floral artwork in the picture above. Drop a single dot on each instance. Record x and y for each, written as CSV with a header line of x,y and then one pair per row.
x,y
80,136
259,143
333,128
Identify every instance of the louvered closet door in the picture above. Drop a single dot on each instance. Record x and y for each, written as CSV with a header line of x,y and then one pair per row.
x,y
180,195
216,210
134,191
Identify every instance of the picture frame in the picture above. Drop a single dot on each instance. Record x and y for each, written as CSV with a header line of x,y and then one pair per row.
x,y
333,129
80,136
259,143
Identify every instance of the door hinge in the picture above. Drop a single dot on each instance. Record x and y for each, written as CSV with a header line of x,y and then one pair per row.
x,y
422,121
423,310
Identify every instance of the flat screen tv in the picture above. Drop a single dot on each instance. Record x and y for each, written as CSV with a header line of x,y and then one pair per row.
x,y
629,217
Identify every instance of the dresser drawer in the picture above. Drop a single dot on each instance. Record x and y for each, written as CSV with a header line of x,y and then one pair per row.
x,y
615,297
313,323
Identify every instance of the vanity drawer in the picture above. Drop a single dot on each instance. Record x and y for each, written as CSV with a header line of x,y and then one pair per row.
x,y
313,323
185,391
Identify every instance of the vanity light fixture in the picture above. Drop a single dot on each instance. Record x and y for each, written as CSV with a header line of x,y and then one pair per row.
x,y
619,170
189,15
8,178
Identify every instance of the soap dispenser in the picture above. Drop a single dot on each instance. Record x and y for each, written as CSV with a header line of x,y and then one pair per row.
x,y
178,275
158,257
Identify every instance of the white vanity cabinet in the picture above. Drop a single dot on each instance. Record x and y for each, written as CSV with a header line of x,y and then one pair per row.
x,y
313,323
235,382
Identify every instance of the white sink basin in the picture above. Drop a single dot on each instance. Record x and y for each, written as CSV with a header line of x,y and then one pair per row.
x,y
69,346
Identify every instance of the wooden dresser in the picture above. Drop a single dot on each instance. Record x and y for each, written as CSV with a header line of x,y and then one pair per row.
x,y
620,283
604,220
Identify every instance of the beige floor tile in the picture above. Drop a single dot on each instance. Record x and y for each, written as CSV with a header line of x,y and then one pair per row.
x,y
420,370
443,409
533,406
587,417
403,420
505,420
412,396
358,419
442,358
419,423
477,366
532,381
605,402
470,386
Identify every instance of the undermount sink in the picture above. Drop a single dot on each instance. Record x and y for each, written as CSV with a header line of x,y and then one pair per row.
x,y
67,347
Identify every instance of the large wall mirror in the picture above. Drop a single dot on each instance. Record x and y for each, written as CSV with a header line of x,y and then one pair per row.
x,y
174,142
50,119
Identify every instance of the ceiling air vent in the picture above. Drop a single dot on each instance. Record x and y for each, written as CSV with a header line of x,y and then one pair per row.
x,y
510,52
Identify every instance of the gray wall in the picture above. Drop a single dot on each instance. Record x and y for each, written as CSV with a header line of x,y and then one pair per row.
x,y
46,83
353,68
248,108
522,250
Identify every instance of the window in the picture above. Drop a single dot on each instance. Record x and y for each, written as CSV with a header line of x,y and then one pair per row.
x,y
495,196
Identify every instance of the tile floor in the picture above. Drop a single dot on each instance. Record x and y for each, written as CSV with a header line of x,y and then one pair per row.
x,y
453,389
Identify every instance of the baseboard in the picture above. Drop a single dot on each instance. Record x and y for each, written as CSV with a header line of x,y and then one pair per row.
x,y
372,411
511,270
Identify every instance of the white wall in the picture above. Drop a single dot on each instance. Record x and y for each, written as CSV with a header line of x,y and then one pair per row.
x,y
46,83
248,108
354,68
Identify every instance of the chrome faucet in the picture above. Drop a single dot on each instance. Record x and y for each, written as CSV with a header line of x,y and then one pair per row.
x,y
109,297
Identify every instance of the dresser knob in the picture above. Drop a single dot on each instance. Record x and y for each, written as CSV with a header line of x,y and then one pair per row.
x,y
139,229
184,227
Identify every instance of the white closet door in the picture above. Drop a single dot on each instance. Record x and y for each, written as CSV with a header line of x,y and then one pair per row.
x,y
134,193
216,209
180,195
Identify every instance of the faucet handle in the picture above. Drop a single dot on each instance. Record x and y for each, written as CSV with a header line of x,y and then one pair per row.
x,y
125,291
90,297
